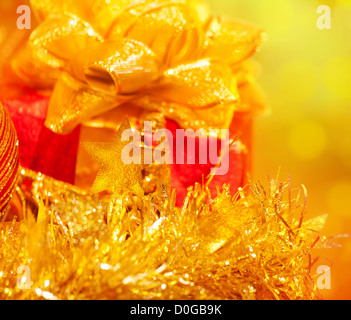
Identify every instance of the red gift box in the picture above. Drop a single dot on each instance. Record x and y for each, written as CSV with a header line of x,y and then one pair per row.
x,y
234,165
189,166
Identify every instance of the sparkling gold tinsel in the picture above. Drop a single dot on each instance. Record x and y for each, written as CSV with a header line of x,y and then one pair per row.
x,y
255,245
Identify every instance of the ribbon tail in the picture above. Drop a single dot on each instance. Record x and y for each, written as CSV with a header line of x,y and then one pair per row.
x,y
73,102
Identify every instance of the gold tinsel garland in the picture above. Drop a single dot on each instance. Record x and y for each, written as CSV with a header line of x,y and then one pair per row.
x,y
255,245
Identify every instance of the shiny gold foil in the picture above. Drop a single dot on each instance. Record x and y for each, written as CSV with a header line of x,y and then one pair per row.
x,y
116,173
165,55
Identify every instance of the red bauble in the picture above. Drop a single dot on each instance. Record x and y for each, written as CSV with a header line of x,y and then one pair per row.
x,y
9,160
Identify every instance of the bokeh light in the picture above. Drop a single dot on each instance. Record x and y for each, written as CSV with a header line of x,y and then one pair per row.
x,y
339,198
307,139
306,75
337,76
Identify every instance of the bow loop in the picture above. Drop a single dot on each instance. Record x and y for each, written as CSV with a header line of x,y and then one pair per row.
x,y
121,67
237,39
59,38
166,27
202,84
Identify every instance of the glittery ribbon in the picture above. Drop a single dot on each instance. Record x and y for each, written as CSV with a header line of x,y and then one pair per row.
x,y
165,55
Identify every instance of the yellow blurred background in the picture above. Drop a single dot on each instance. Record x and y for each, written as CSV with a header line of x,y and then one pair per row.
x,y
306,74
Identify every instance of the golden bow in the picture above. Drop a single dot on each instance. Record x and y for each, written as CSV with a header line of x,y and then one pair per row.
x,y
165,55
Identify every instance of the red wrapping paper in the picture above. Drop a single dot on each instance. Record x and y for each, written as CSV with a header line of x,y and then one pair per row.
x,y
187,173
238,161
39,148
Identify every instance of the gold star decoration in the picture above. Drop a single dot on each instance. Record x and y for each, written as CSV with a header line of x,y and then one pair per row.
x,y
117,173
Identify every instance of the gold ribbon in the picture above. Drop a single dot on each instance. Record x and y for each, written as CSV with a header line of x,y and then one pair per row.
x,y
165,55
